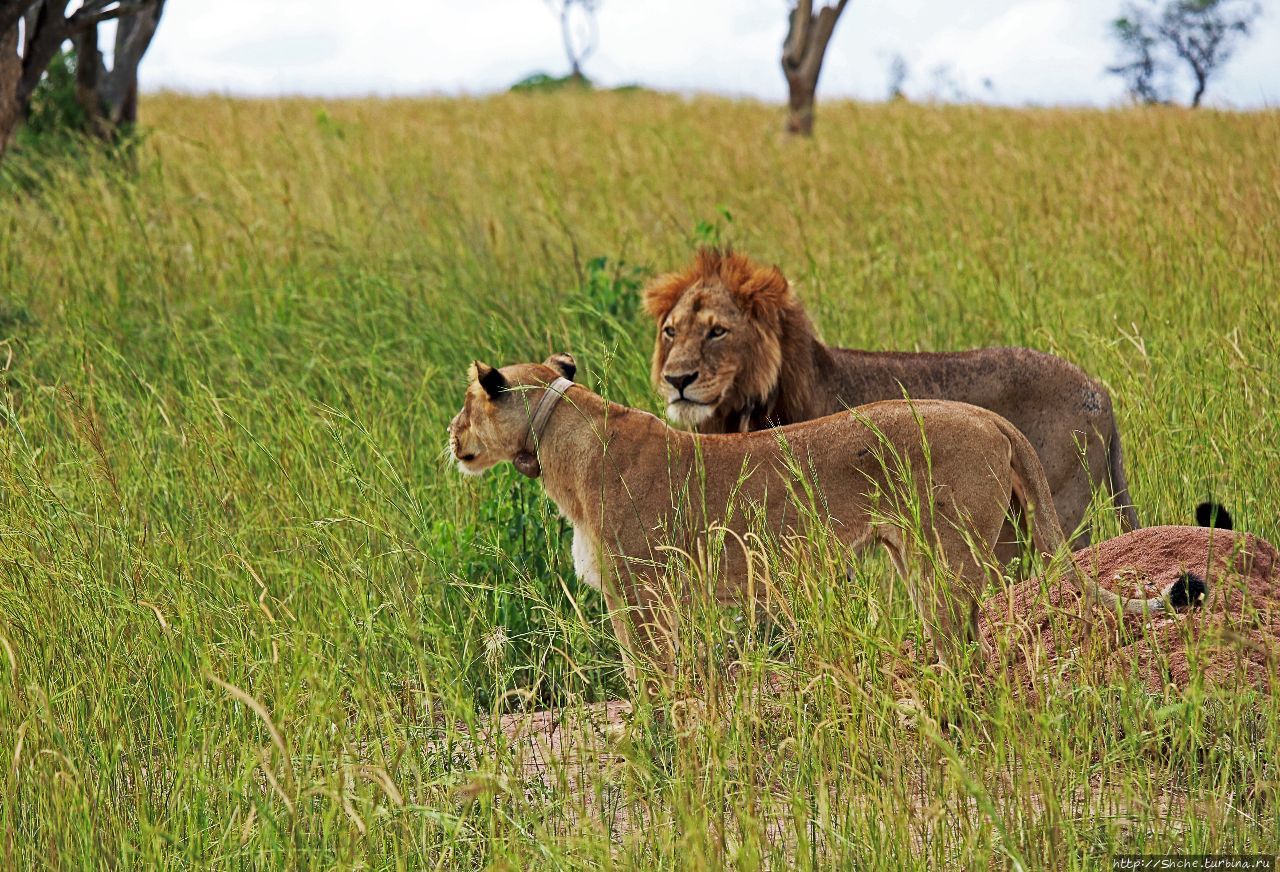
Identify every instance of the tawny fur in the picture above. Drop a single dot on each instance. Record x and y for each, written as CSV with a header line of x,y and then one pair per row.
x,y
771,368
631,485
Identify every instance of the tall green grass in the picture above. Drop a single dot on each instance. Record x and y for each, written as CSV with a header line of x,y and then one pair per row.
x,y
251,617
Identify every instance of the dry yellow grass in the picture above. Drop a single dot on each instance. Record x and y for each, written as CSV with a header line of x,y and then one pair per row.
x,y
226,377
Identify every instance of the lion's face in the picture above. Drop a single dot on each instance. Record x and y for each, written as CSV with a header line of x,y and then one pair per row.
x,y
711,352
494,422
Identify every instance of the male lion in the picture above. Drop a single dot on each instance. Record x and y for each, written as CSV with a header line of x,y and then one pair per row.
x,y
735,351
631,485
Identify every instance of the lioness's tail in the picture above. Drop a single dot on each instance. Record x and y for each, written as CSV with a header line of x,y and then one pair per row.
x,y
1032,491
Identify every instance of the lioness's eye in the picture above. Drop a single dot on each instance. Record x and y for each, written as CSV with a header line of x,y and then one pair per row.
x,y
669,332
716,332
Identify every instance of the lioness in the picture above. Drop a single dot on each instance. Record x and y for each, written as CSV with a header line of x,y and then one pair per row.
x,y
630,485
735,351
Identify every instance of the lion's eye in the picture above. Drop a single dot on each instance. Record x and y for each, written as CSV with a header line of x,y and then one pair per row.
x,y
669,332
716,332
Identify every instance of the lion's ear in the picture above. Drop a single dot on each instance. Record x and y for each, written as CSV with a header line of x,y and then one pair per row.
x,y
563,363
661,295
492,380
766,292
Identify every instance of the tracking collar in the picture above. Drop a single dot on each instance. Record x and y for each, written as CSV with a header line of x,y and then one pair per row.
x,y
526,460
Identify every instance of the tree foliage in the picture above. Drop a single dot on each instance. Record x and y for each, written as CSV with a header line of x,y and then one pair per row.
x,y
1140,67
1200,35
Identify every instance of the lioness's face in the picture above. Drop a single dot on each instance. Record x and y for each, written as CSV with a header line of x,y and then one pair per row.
x,y
483,433
703,343
494,422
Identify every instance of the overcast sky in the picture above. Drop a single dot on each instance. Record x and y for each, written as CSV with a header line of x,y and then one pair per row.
x,y
1032,51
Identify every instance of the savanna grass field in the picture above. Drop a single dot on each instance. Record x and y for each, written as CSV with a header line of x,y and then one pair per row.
x,y
252,617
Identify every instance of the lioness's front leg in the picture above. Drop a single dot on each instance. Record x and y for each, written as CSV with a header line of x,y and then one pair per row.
x,y
643,623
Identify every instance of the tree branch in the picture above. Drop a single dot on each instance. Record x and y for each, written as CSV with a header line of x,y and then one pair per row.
x,y
822,32
45,33
793,47
93,14
133,37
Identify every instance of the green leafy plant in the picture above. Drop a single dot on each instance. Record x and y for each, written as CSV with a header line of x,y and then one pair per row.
x,y
713,231
54,114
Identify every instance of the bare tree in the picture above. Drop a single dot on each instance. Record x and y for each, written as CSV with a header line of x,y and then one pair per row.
x,y
802,55
32,32
1202,34
578,30
945,87
899,72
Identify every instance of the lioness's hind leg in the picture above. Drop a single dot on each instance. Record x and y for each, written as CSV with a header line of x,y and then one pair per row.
x,y
1072,500
943,596
1007,545
964,578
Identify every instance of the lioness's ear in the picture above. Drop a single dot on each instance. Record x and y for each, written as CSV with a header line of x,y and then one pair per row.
x,y
563,363
490,379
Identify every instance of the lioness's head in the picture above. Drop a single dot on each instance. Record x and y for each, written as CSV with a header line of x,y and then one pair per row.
x,y
493,425
719,346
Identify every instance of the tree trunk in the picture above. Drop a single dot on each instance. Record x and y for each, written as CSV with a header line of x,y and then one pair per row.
x,y
1202,80
10,76
11,12
567,38
46,31
802,55
133,38
800,107
89,75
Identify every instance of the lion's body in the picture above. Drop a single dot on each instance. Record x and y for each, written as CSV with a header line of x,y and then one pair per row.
x,y
770,368
1065,415
631,485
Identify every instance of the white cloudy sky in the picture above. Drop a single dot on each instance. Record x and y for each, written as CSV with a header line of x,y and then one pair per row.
x,y
1031,51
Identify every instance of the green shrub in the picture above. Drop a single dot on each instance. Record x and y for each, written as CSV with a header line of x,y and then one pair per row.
x,y
545,82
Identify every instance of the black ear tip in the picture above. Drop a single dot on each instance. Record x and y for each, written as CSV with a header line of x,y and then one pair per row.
x,y
491,379
563,362
1189,590
1214,514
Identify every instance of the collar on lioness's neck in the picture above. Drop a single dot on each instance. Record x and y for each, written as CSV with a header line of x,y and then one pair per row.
x,y
526,460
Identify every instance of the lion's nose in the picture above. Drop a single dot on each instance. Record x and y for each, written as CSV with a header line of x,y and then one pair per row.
x,y
682,381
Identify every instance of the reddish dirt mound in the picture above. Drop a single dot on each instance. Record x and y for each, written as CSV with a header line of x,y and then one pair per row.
x,y
1041,631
